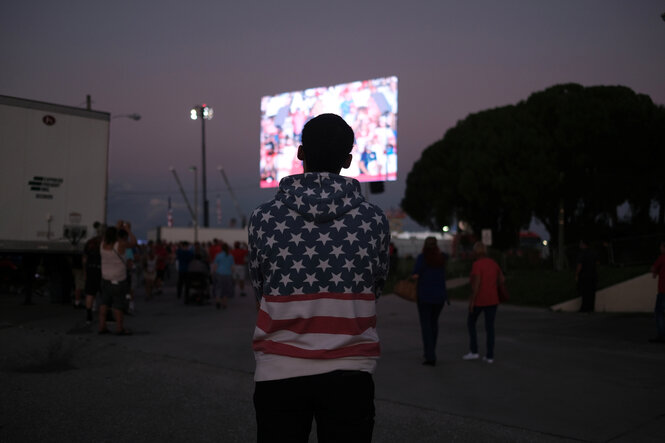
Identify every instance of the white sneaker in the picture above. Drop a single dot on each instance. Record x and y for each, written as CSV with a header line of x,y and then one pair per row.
x,y
488,360
470,356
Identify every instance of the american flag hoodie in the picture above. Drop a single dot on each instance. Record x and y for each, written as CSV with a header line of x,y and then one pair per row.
x,y
318,259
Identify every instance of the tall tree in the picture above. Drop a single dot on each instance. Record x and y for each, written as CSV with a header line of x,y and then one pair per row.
x,y
586,150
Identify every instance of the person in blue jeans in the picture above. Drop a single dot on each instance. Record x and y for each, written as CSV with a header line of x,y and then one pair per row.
x,y
486,276
658,270
430,271
223,277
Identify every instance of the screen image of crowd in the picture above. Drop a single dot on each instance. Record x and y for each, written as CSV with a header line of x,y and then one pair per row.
x,y
369,107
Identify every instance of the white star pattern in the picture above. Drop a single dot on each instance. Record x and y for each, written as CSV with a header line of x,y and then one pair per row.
x,y
309,225
270,241
337,251
280,226
337,278
297,265
297,239
324,237
303,244
339,224
311,279
351,237
266,216
286,279
365,226
310,252
348,264
284,252
323,264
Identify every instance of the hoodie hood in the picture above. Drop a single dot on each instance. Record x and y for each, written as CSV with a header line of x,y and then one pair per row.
x,y
320,196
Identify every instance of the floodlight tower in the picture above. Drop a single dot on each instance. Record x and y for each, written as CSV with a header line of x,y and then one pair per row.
x,y
203,112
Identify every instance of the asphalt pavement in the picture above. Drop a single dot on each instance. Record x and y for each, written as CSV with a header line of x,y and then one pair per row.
x,y
186,375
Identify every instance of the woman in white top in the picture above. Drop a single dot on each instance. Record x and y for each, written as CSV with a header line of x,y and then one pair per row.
x,y
114,277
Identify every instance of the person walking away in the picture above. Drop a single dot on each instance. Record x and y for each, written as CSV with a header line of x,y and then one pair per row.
x,y
318,259
486,275
239,253
114,277
430,273
223,276
658,270
162,262
184,255
129,262
92,265
79,280
149,272
586,276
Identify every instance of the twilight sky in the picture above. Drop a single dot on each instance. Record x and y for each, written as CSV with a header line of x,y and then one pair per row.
x,y
158,58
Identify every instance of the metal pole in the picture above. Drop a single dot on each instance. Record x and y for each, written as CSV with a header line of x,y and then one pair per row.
x,y
196,205
203,174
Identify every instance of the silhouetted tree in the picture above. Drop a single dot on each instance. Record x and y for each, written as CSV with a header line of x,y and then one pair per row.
x,y
588,149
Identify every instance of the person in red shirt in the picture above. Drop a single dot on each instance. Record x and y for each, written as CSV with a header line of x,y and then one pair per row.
x,y
658,270
239,253
486,275
214,249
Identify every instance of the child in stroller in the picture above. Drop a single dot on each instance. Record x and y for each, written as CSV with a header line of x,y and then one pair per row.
x,y
197,281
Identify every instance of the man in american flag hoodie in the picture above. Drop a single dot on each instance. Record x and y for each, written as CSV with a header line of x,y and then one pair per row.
x,y
318,261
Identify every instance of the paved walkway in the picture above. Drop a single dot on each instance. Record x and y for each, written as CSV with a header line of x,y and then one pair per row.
x,y
186,376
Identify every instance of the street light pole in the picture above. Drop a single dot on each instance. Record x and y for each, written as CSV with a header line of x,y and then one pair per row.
x,y
203,173
196,204
203,112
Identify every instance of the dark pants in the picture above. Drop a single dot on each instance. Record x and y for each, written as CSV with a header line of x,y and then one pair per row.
x,y
341,402
490,315
659,312
182,277
429,327
587,291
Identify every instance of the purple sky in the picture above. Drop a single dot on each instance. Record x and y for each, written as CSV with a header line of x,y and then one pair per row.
x,y
158,58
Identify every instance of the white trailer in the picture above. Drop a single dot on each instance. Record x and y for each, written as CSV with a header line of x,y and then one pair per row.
x,y
53,187
53,175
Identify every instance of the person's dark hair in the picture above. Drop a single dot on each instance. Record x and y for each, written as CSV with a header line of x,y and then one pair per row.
x,y
111,235
122,234
327,141
432,254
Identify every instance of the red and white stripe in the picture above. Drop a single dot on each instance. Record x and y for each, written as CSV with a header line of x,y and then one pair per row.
x,y
317,326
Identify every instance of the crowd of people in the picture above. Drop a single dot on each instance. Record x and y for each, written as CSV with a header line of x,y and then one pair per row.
x,y
115,268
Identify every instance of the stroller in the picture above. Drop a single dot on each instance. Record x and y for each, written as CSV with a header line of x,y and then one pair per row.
x,y
197,288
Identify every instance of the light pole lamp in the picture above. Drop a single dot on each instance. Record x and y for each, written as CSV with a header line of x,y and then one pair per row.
x,y
203,112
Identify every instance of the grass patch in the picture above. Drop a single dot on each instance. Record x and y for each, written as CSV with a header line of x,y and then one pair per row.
x,y
537,287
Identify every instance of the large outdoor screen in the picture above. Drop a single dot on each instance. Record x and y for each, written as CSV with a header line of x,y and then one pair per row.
x,y
369,107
